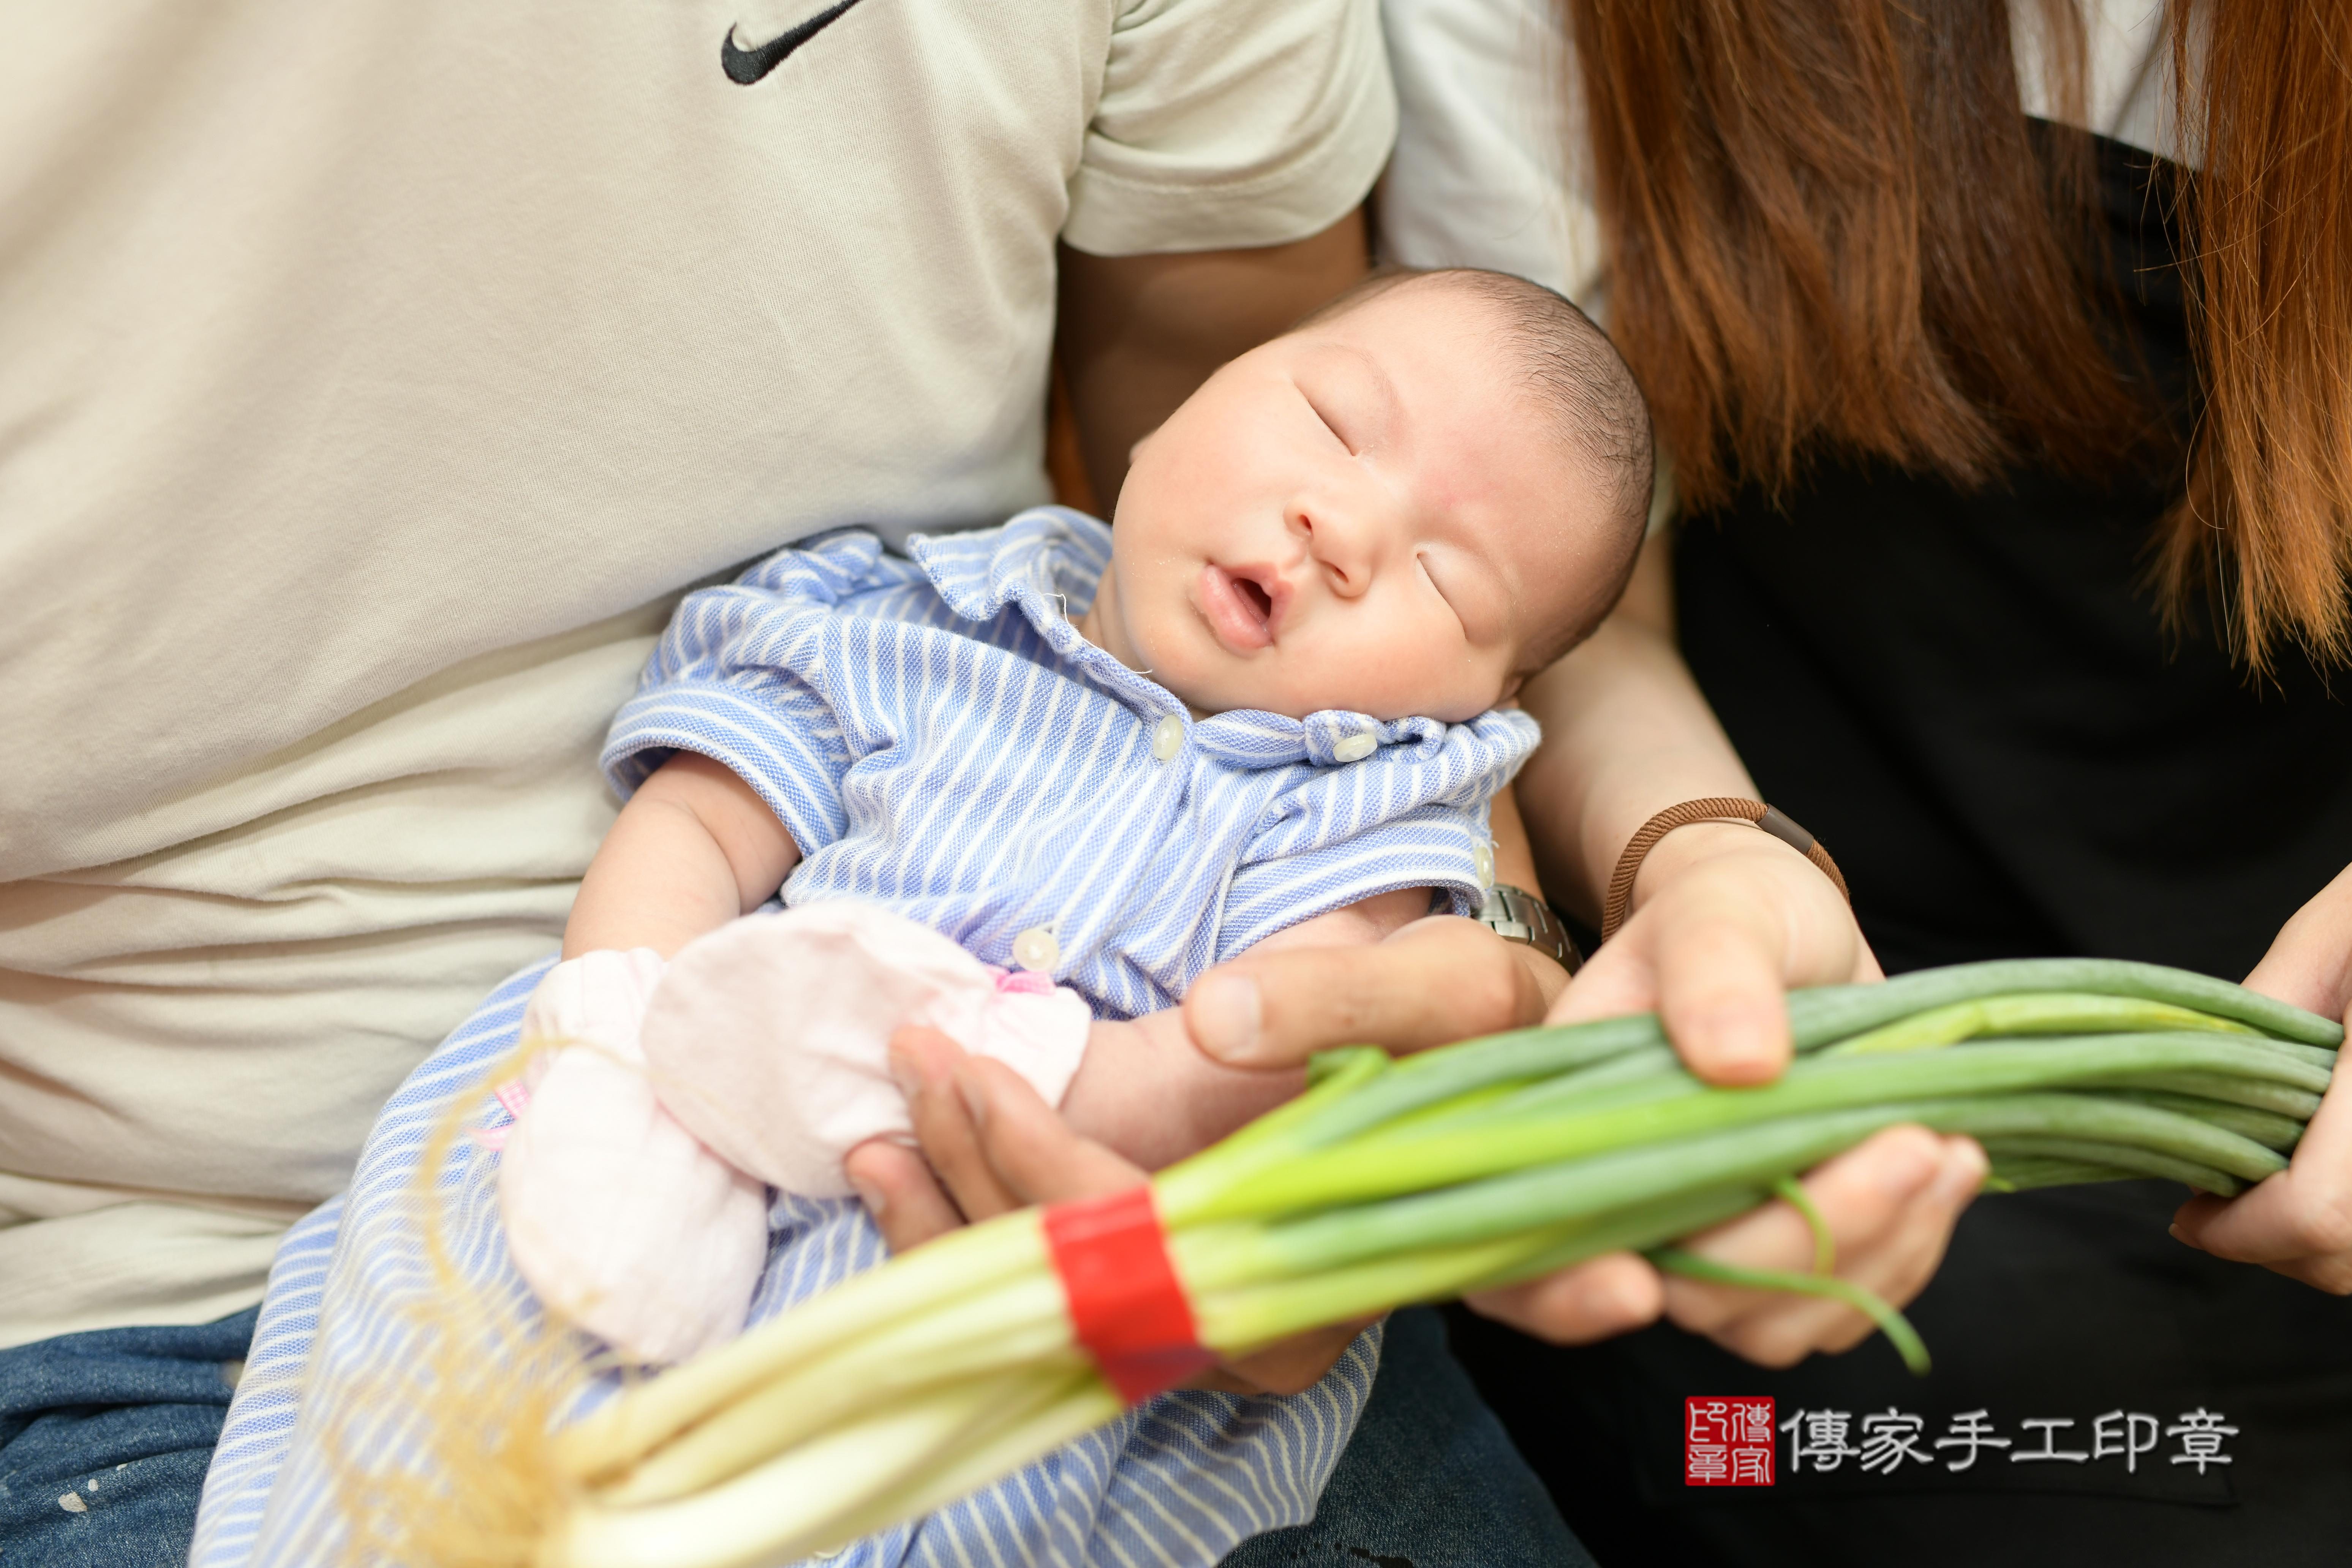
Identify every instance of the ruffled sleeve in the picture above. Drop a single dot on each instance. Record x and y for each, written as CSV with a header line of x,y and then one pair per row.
x,y
1410,814
740,677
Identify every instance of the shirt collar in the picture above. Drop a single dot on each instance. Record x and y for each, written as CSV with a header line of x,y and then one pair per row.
x,y
1047,561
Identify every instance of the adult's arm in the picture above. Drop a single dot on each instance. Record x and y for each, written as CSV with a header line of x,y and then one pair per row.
x,y
2298,1222
1147,1090
1137,333
1724,919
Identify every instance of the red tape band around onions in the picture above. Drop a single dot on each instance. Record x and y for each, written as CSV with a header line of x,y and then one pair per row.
x,y
1126,1306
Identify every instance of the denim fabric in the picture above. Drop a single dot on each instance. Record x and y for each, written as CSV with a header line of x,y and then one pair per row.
x,y
121,1422
1429,1481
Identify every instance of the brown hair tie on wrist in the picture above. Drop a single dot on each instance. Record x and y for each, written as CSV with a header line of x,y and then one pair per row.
x,y
1714,808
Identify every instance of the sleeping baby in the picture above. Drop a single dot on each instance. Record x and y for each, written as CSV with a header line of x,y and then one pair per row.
x,y
1022,784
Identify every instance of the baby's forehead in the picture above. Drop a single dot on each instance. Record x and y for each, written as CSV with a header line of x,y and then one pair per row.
x,y
1428,341
1412,309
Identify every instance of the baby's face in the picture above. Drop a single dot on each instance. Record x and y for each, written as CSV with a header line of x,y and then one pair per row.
x,y
1367,514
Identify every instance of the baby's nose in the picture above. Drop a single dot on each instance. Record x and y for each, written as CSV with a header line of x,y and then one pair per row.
x,y
1340,542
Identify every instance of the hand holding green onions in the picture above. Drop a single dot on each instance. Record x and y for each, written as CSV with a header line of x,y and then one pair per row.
x,y
1394,1182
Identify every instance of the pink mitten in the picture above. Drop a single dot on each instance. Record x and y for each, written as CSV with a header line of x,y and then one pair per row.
x,y
769,1038
614,1214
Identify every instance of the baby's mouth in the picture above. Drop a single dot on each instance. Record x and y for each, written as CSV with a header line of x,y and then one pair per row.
x,y
1240,608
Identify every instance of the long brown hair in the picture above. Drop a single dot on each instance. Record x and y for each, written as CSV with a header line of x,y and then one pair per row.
x,y
1829,228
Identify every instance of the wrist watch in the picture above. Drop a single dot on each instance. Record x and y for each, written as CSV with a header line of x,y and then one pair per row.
x,y
1517,915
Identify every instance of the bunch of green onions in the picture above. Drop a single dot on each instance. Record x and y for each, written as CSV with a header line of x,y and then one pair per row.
x,y
1414,1180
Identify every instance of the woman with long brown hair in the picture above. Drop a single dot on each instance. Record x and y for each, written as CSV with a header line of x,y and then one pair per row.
x,y
2003,357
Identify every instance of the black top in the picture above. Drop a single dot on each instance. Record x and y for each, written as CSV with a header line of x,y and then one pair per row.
x,y
1972,700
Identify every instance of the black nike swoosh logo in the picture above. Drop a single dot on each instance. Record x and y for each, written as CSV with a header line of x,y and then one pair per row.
x,y
747,66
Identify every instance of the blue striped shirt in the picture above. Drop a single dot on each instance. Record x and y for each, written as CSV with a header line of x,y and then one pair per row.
x,y
936,736
939,739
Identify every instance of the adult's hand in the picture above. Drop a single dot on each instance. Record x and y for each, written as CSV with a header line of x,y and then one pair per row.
x,y
990,1145
1726,921
1727,926
1890,1204
2298,1222
1438,980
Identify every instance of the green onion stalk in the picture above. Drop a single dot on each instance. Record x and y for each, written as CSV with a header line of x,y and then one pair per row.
x,y
1392,1182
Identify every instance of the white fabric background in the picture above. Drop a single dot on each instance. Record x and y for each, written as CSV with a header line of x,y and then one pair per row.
x,y
1490,171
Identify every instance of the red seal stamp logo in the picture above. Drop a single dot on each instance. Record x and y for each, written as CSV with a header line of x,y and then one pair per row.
x,y
1727,1441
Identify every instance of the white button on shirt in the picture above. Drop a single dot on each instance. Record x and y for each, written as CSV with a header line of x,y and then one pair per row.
x,y
1356,748
1036,949
1167,738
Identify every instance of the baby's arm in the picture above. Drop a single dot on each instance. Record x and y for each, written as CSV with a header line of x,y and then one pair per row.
x,y
695,848
1144,1088
614,1213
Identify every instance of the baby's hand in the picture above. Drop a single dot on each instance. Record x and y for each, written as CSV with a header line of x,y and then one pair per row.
x,y
1145,1090
598,998
616,1216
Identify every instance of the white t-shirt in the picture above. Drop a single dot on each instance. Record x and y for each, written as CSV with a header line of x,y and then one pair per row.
x,y
1490,167
374,377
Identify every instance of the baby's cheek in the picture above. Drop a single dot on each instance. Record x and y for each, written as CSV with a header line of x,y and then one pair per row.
x,y
1438,676
1387,676
1162,623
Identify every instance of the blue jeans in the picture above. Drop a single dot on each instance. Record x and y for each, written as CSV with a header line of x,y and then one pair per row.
x,y
123,1420
104,1438
1429,1481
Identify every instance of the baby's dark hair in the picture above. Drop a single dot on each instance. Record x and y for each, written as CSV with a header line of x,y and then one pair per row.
x,y
1569,366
